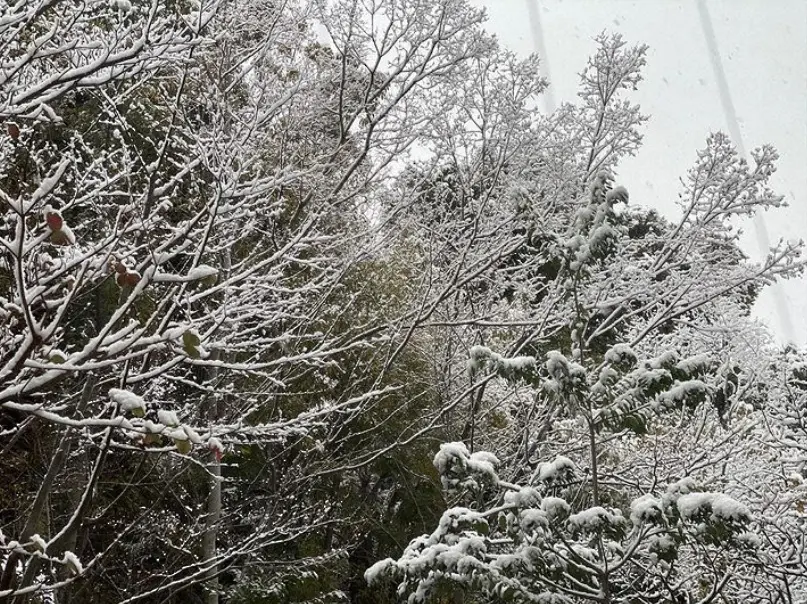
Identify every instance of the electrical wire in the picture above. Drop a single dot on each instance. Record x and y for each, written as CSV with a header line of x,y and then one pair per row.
x,y
534,11
761,230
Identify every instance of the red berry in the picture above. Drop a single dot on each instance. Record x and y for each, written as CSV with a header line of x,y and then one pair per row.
x,y
54,220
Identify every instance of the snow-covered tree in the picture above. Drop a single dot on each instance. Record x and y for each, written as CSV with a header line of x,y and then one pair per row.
x,y
565,535
205,336
247,249
586,277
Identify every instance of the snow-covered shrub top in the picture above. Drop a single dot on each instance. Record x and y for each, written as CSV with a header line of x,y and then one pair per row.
x,y
128,401
718,508
646,508
596,520
621,356
525,497
561,469
460,469
688,393
527,542
626,393
514,368
555,507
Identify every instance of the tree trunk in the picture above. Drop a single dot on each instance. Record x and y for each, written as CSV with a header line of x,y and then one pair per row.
x,y
214,467
211,529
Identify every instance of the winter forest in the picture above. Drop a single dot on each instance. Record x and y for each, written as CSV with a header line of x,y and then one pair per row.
x,y
307,301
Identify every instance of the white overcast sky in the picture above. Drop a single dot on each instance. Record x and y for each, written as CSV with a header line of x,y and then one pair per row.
x,y
763,47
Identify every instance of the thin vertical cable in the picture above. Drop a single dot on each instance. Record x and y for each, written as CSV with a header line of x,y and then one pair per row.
x,y
534,11
763,241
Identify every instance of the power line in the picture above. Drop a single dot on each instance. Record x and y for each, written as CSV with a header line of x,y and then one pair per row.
x,y
763,241
534,11
760,228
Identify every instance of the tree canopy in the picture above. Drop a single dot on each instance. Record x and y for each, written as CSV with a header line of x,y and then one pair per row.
x,y
307,302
